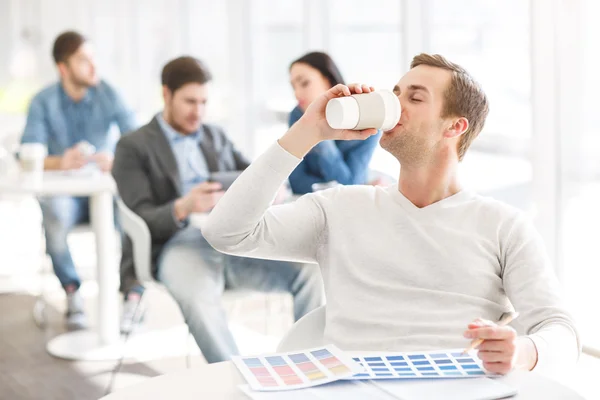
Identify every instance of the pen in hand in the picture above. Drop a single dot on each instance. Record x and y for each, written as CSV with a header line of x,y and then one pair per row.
x,y
505,319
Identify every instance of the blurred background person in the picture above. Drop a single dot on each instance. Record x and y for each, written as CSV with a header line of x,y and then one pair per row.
x,y
163,172
346,162
79,108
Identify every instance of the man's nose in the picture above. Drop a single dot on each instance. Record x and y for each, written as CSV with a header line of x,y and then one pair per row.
x,y
402,104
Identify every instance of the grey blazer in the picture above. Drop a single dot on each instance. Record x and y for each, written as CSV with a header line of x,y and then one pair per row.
x,y
148,182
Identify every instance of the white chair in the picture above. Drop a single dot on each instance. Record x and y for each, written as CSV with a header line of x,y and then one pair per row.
x,y
137,230
135,227
306,333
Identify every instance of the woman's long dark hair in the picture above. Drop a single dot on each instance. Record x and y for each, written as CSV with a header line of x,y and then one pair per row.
x,y
322,63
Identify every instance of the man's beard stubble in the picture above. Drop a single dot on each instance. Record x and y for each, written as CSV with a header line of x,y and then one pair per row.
x,y
171,121
408,149
82,82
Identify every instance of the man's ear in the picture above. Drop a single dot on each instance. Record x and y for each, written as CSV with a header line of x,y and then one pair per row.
x,y
457,127
62,69
166,92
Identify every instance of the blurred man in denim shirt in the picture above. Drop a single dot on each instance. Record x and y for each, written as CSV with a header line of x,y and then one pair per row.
x,y
79,108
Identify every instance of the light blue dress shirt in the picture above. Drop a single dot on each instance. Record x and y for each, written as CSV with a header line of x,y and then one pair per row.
x,y
190,160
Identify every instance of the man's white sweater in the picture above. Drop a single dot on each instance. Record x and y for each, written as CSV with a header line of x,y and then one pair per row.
x,y
398,277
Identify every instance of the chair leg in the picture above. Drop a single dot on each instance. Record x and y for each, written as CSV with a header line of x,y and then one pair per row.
x,y
40,308
40,312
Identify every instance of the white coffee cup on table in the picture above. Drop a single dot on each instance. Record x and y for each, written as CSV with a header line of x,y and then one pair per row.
x,y
31,161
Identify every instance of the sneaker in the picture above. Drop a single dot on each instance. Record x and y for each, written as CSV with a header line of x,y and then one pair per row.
x,y
133,312
76,318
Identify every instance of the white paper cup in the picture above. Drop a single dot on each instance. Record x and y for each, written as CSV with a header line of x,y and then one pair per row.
x,y
31,161
379,110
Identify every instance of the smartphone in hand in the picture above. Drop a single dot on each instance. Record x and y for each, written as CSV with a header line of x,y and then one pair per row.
x,y
225,178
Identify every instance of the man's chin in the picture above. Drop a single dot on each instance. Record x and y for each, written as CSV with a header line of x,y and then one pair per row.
x,y
93,80
387,138
391,143
385,142
89,82
190,129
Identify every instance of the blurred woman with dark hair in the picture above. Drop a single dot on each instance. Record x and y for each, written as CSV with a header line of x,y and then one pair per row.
x,y
346,162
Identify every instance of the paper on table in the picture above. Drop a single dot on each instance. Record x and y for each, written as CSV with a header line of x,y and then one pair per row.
x,y
298,369
448,389
419,365
346,390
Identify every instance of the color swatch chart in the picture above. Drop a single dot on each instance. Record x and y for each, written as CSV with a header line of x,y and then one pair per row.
x,y
296,370
435,364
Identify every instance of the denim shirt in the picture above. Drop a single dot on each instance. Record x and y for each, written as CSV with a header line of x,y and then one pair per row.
x,y
344,161
57,121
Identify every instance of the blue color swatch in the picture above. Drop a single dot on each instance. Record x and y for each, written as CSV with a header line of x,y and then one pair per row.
x,y
452,364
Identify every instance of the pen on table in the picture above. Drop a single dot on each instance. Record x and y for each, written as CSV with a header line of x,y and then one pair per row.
x,y
505,319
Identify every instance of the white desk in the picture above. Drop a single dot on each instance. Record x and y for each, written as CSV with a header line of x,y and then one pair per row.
x,y
220,381
104,343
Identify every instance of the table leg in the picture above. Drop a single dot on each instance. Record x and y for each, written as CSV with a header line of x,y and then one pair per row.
x,y
102,218
104,343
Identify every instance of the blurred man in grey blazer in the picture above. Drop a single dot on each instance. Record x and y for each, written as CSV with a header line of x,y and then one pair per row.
x,y
162,172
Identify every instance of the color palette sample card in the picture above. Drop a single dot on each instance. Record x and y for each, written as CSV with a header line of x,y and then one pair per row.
x,y
296,370
434,364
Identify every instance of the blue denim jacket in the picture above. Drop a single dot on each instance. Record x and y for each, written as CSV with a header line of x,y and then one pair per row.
x,y
55,120
344,161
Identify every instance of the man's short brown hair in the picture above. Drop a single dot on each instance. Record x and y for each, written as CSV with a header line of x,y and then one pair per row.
x,y
67,44
184,70
464,97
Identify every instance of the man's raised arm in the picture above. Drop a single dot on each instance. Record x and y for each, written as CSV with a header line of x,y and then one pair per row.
x,y
245,224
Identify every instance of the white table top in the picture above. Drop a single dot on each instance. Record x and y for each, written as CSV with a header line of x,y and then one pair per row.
x,y
220,381
54,183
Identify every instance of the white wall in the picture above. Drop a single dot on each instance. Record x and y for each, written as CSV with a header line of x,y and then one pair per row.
x,y
536,59
249,45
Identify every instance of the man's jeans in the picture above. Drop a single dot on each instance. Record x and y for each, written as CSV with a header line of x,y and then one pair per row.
x,y
196,276
60,214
